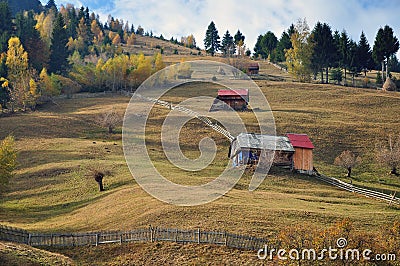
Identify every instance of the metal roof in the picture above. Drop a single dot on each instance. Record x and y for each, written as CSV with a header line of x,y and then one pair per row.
x,y
242,92
263,142
300,141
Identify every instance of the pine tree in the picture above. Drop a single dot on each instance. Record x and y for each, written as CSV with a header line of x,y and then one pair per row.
x,y
324,49
364,54
51,5
59,50
211,41
31,40
391,45
343,48
239,37
265,44
385,45
228,45
5,25
283,44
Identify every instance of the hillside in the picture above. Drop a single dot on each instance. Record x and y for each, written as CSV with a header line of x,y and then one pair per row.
x,y
53,188
12,254
21,5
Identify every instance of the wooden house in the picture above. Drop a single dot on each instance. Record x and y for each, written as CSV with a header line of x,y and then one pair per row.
x,y
236,99
303,155
247,148
253,69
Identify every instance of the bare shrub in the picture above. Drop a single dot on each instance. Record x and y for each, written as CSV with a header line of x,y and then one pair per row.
x,y
348,160
109,120
388,153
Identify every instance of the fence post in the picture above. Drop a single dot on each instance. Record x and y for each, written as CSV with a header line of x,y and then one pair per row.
x,y
151,234
97,239
198,235
226,238
391,200
29,239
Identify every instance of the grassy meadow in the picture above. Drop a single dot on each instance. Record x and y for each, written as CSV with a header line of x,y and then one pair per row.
x,y
60,145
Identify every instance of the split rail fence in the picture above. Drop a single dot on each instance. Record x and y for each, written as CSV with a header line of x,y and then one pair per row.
x,y
150,234
391,199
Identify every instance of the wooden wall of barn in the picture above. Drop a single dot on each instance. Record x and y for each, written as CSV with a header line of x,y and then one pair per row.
x,y
303,159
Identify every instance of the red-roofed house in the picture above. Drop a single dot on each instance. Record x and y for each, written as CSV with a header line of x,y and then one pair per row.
x,y
303,155
253,68
237,99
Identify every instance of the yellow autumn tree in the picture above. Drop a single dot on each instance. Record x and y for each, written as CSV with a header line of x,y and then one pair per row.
x,y
116,40
143,70
98,35
46,85
18,73
158,62
298,58
131,39
44,25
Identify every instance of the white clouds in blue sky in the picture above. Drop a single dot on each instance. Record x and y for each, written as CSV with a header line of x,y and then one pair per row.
x,y
253,17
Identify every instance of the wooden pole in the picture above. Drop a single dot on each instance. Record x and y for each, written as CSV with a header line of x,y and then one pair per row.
x,y
391,200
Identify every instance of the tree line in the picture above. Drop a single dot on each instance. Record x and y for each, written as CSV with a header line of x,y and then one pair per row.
x,y
64,51
229,46
321,51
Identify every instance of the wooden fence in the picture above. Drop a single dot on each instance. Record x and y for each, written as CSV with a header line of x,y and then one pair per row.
x,y
150,234
391,199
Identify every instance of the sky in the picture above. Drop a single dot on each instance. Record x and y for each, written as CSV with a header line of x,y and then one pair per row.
x,y
177,18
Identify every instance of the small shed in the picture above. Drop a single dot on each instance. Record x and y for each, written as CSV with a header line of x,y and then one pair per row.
x,y
236,99
253,68
303,155
247,148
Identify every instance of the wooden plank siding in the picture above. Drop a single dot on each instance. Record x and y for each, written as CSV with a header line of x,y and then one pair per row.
x,y
303,159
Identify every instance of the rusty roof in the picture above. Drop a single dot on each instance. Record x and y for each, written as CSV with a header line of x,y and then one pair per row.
x,y
300,140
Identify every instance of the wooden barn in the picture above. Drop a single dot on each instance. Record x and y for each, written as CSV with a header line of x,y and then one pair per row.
x,y
247,148
253,69
303,155
236,99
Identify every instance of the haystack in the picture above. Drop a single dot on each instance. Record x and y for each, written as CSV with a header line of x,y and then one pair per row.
x,y
389,85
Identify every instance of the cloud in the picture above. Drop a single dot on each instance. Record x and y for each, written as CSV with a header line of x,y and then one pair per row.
x,y
253,17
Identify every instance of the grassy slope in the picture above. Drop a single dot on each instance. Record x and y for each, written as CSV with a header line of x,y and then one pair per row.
x,y
59,144
12,254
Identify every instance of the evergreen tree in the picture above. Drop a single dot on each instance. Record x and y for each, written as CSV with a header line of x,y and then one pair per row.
x,y
385,45
228,45
283,44
344,56
265,44
5,25
364,54
72,23
239,37
324,49
31,40
59,50
391,45
51,5
211,41
354,65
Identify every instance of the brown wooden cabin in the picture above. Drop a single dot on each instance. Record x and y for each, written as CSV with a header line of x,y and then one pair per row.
x,y
236,99
246,149
303,155
253,69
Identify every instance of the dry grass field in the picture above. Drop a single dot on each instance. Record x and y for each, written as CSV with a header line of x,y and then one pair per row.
x,y
59,145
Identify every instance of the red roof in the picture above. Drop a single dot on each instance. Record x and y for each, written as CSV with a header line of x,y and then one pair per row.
x,y
243,92
300,141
